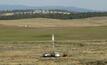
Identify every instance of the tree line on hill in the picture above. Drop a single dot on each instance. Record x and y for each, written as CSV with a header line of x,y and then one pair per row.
x,y
55,14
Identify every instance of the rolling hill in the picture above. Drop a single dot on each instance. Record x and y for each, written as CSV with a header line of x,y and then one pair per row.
x,y
72,9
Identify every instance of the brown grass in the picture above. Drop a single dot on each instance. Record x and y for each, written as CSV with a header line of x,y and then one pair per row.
x,y
29,53
44,22
79,52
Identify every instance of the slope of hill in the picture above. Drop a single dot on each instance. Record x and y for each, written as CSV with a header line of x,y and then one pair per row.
x,y
72,9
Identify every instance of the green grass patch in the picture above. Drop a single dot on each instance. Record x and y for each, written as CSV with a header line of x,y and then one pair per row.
x,y
37,34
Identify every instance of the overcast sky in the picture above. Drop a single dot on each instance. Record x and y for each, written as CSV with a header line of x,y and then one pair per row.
x,y
89,4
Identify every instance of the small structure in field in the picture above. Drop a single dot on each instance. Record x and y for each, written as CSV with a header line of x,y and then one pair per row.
x,y
54,53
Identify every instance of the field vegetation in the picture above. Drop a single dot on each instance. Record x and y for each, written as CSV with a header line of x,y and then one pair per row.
x,y
30,53
45,22
22,42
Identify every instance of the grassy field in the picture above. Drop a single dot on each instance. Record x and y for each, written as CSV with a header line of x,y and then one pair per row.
x,y
44,22
29,53
44,34
84,41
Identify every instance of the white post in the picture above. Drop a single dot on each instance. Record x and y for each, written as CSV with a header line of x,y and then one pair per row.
x,y
53,41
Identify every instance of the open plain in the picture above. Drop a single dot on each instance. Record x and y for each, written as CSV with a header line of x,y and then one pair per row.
x,y
22,42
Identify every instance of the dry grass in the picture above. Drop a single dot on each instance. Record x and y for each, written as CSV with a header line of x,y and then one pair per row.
x,y
44,22
86,52
29,53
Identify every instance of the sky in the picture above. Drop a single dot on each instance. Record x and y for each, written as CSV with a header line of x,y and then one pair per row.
x,y
89,4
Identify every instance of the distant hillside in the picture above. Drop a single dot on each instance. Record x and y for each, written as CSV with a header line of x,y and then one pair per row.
x,y
12,7
72,9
